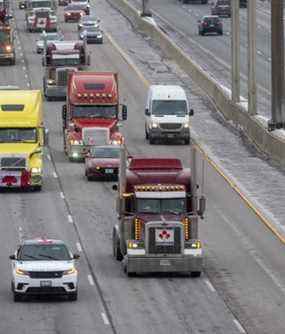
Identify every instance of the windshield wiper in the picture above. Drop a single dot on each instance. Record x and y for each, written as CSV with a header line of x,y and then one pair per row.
x,y
48,257
30,257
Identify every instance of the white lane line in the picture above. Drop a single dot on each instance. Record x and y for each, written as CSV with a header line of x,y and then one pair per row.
x,y
62,195
24,68
26,75
22,60
55,175
239,326
49,157
209,285
90,279
259,52
28,84
269,59
79,248
105,319
20,231
70,219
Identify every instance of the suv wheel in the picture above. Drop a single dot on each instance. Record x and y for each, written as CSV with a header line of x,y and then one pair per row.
x,y
73,296
17,297
195,273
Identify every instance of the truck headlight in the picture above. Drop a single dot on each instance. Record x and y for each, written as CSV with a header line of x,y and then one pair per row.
x,y
51,82
8,48
116,141
154,125
36,170
76,142
186,125
70,271
21,272
197,244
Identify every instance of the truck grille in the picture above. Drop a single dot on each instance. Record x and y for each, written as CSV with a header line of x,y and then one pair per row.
x,y
13,163
95,136
62,77
45,274
174,248
170,126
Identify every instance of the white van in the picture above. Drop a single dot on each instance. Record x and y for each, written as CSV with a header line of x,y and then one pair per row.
x,y
167,114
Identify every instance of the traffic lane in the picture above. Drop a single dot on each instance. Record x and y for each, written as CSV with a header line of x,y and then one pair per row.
x,y
245,261
91,204
32,215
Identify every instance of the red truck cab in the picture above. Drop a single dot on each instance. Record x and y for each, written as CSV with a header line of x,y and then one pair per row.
x,y
92,112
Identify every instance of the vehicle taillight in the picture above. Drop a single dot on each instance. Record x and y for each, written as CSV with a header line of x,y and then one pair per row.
x,y
186,224
138,229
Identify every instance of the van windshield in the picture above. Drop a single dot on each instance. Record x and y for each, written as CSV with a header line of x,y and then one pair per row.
x,y
169,107
94,111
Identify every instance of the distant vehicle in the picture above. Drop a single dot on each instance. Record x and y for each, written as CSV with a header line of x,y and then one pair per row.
x,y
39,4
102,162
83,3
87,21
22,4
63,2
52,36
203,2
41,19
167,114
44,266
93,34
7,47
221,7
210,24
73,13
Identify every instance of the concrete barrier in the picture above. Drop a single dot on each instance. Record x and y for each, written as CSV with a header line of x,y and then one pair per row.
x,y
253,128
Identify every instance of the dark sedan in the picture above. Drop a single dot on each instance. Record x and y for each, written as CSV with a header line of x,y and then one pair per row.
x,y
102,162
210,24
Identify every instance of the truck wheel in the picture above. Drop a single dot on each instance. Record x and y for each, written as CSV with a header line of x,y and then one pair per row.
x,y
116,247
127,272
151,141
195,273
13,61
146,135
187,141
72,296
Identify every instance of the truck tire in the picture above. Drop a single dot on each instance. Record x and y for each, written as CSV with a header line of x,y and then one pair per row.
x,y
151,141
146,134
195,273
116,247
72,296
187,141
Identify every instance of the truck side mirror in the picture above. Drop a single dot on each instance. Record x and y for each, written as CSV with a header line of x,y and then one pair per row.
x,y
46,136
124,112
191,112
76,256
202,206
147,112
12,257
64,112
115,187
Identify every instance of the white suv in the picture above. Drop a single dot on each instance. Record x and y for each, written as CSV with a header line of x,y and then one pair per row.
x,y
44,266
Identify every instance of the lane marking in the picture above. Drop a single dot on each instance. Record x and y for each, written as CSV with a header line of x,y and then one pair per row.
x,y
62,195
55,175
105,319
70,219
20,232
90,279
49,157
79,248
250,205
239,326
209,285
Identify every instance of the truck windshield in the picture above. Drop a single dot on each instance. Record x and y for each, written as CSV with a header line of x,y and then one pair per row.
x,y
169,107
36,252
18,135
66,61
95,111
4,37
41,4
165,205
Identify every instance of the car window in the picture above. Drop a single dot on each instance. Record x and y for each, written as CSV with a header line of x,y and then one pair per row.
x,y
44,252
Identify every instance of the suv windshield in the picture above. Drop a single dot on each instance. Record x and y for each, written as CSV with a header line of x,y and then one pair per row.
x,y
104,152
169,107
18,135
45,252
94,111
165,205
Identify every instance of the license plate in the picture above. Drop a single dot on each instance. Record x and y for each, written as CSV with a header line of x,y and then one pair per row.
x,y
164,236
164,263
45,284
170,135
109,171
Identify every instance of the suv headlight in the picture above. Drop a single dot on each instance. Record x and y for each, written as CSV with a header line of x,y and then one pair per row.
x,y
36,170
21,272
186,125
70,271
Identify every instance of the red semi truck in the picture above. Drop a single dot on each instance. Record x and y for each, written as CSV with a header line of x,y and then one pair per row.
x,y
158,212
92,112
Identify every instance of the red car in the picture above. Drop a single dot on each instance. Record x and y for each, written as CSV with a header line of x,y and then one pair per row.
x,y
102,162
73,13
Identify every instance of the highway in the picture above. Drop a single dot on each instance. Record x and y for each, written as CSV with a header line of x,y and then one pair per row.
x,y
213,53
241,291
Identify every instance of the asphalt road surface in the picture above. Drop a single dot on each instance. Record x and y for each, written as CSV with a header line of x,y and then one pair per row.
x,y
242,289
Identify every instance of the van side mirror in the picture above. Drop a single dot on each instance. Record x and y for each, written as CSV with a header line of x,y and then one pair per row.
x,y
115,187
124,112
147,112
191,112
12,257
76,256
64,109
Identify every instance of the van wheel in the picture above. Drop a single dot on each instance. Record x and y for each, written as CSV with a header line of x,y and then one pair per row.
x,y
195,273
72,296
146,135
116,247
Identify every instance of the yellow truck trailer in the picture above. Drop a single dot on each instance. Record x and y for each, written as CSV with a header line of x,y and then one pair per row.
x,y
22,137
